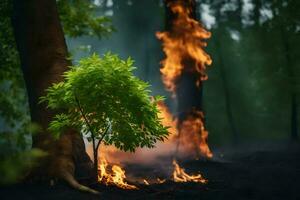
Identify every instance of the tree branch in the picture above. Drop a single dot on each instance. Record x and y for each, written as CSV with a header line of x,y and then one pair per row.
x,y
102,137
86,120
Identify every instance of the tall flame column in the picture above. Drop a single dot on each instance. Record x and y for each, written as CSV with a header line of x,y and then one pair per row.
x,y
183,71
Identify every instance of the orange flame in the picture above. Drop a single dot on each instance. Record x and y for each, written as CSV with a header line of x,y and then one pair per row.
x,y
168,119
160,181
117,177
146,182
183,46
184,42
179,175
192,129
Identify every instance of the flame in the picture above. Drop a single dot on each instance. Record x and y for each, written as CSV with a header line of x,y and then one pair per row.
x,y
117,177
160,181
168,120
192,129
183,46
179,175
146,182
184,42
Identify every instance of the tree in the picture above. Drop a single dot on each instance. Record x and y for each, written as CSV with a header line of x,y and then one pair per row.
x,y
78,18
183,70
43,55
288,26
106,103
228,103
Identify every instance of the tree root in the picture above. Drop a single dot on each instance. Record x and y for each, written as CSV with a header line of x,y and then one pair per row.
x,y
69,178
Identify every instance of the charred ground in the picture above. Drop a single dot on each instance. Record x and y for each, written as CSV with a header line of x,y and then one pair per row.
x,y
264,174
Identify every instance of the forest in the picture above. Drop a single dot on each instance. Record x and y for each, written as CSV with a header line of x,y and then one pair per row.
x,y
150,99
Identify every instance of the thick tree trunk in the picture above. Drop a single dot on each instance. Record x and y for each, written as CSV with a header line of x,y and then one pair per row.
x,y
189,96
43,54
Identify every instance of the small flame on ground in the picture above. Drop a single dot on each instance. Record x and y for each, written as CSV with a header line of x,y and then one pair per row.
x,y
160,181
116,177
179,175
146,182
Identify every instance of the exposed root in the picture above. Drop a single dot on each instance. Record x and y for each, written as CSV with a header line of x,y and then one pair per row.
x,y
63,164
69,178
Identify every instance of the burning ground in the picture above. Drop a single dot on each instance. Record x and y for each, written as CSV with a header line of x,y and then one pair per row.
x,y
264,174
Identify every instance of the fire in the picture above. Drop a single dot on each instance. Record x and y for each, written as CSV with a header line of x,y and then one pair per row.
x,y
160,181
116,177
179,175
193,128
183,46
184,42
146,182
168,119
193,135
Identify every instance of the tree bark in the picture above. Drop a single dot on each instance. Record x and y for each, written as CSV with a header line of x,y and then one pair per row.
x,y
43,54
189,96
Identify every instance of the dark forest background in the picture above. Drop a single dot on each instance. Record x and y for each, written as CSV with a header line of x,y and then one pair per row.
x,y
253,86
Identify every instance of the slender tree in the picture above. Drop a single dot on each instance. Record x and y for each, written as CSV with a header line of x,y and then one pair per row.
x,y
224,75
292,84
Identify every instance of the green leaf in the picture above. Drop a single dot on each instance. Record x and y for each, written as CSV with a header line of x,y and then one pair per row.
x,y
101,92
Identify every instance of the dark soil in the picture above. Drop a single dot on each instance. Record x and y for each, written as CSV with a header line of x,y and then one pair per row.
x,y
255,175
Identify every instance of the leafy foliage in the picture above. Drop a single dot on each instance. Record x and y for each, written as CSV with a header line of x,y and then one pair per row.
x,y
79,18
102,98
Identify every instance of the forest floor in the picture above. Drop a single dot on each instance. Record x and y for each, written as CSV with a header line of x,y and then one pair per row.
x,y
256,174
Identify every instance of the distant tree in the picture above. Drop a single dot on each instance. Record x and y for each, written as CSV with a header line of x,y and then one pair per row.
x,y
271,78
287,21
222,66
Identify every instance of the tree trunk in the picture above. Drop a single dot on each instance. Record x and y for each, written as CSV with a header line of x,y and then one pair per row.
x,y
96,160
228,104
187,93
292,83
43,54
228,108
189,96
